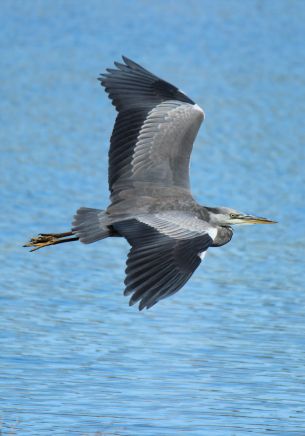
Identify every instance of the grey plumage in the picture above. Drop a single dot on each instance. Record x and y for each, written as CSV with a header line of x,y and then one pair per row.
x,y
151,203
91,225
153,134
165,253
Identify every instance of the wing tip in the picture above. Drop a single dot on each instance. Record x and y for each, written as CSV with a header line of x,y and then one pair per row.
x,y
132,301
131,64
146,305
143,304
125,59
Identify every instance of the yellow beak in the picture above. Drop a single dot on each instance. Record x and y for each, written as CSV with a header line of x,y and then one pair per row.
x,y
250,219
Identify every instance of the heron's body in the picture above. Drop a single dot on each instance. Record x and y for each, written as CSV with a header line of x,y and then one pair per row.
x,y
151,203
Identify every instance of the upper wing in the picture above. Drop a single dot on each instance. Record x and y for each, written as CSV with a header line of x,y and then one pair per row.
x,y
166,248
153,133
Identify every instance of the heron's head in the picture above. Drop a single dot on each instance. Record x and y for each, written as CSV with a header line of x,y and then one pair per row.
x,y
224,216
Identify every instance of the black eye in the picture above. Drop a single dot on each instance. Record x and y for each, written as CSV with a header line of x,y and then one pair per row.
x,y
233,215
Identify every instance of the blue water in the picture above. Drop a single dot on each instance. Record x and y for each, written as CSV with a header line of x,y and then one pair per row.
x,y
224,356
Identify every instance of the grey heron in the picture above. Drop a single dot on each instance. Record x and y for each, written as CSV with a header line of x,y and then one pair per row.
x,y
151,205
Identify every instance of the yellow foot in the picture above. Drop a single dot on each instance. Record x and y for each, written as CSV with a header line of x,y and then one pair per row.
x,y
45,239
41,241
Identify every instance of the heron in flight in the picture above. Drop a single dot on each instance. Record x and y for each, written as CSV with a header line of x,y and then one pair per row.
x,y
150,200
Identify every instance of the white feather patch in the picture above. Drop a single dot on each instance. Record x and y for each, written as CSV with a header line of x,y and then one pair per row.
x,y
198,108
212,231
202,254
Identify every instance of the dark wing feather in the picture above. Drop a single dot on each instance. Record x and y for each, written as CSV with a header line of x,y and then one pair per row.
x,y
160,262
130,85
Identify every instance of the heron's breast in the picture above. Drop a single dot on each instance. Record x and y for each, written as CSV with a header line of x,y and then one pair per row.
x,y
224,235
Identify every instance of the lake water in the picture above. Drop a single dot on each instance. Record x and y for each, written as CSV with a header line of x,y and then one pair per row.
x,y
226,355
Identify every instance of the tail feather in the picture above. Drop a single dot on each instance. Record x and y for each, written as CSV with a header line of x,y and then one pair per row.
x,y
91,225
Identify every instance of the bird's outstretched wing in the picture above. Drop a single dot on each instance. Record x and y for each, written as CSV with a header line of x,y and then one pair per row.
x,y
153,133
166,248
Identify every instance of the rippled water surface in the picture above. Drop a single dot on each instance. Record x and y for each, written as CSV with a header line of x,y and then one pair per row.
x,y
226,355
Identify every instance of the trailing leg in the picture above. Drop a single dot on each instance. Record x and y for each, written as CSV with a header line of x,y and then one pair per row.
x,y
45,239
89,225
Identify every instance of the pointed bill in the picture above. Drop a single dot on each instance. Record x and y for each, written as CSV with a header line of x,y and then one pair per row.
x,y
251,219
